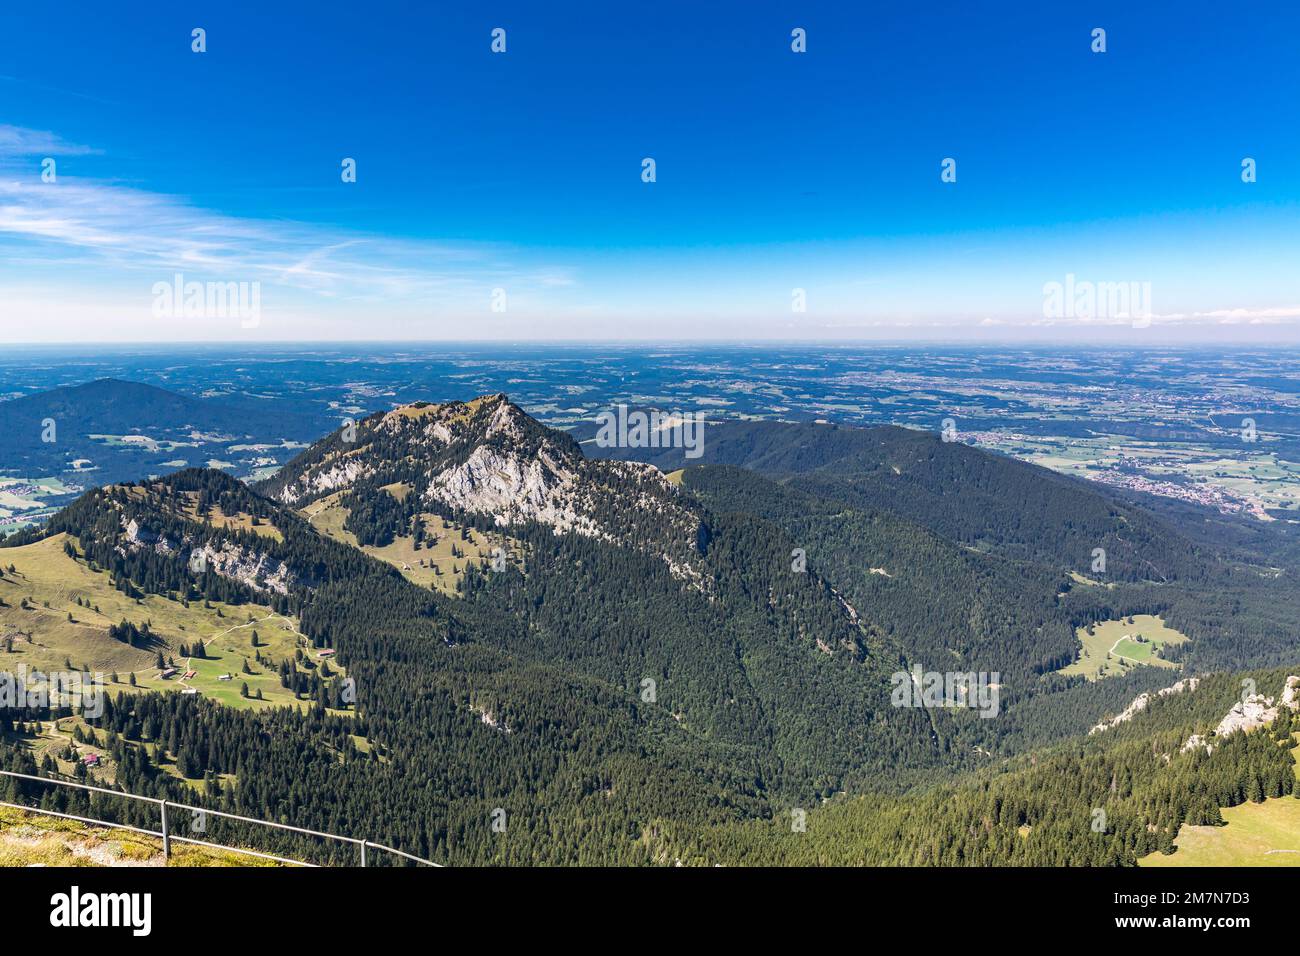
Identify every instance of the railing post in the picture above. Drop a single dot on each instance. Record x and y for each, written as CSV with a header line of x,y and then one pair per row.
x,y
166,825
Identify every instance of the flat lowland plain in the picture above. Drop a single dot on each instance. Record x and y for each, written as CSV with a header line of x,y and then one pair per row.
x,y
1258,475
1257,834
25,500
1113,647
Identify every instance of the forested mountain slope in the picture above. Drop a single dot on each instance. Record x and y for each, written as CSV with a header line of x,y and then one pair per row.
x,y
968,496
453,729
661,661
1227,582
1103,800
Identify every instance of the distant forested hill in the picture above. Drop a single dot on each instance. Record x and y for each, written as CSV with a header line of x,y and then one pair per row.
x,y
109,430
968,496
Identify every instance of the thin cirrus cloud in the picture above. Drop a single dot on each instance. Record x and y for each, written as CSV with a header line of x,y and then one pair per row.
x,y
127,230
1270,316
18,141
1275,315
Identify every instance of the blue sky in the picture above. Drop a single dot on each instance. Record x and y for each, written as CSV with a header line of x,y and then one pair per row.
x,y
775,170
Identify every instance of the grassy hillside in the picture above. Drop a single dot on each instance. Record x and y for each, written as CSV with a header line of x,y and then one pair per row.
x,y
431,563
1256,834
1111,648
70,608
33,839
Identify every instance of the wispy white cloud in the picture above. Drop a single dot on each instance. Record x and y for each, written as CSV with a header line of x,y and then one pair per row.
x,y
129,230
18,141
1277,315
1270,316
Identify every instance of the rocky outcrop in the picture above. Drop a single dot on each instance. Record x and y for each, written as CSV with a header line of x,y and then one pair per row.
x,y
490,719
253,570
1250,713
249,567
340,474
1291,693
1140,703
626,503
503,486
137,537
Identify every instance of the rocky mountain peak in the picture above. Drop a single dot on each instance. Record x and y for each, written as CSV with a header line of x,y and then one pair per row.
x,y
488,458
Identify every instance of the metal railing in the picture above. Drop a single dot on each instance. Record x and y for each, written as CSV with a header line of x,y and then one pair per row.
x,y
168,837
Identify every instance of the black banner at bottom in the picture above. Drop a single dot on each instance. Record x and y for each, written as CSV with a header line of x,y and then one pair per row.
x,y
174,904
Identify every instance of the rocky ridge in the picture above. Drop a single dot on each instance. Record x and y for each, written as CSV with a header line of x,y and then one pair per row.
x,y
489,459
1140,703
1250,713
226,559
